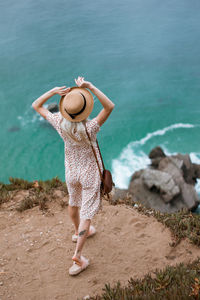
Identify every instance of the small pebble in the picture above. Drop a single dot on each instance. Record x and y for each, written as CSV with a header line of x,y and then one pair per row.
x,y
1,283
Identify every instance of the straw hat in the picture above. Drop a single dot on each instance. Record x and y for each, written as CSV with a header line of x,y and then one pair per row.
x,y
77,105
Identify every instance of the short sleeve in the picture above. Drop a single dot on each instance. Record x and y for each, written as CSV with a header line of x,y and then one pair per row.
x,y
54,120
93,126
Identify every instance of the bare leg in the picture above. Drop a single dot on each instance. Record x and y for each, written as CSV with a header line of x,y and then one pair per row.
x,y
74,215
82,235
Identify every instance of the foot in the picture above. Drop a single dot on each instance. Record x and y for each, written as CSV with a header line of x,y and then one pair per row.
x,y
79,265
91,232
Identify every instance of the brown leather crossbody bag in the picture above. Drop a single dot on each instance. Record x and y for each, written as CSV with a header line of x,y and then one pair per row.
x,y
106,177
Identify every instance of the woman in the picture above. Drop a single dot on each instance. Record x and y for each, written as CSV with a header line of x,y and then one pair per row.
x,y
81,170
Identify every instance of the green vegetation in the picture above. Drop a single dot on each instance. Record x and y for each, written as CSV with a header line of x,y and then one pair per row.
x,y
183,224
181,282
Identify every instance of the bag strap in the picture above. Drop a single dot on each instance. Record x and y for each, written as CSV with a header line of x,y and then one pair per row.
x,y
95,155
100,155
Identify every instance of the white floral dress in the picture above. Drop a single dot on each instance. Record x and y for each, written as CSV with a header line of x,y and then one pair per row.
x,y
81,170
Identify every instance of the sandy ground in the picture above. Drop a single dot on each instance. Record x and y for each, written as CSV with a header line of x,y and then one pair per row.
x,y
36,251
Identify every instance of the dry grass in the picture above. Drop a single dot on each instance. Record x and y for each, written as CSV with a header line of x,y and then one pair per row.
x,y
39,192
38,199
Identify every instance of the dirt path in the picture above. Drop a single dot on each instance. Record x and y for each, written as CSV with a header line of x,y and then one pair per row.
x,y
36,251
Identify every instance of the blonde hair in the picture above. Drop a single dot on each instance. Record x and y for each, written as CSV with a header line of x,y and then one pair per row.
x,y
74,130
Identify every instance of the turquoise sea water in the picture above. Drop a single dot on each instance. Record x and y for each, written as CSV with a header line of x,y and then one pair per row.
x,y
144,54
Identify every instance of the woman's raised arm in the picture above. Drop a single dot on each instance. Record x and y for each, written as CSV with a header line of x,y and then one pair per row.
x,y
108,105
38,103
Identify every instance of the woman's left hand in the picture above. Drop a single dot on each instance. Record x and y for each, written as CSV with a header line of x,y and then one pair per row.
x,y
80,81
62,91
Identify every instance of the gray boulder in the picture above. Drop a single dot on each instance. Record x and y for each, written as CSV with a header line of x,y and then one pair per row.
x,y
172,166
150,198
53,107
162,182
156,155
187,168
168,184
196,168
182,170
156,152
189,196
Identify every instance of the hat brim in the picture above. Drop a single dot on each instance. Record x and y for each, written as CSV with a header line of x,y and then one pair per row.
x,y
87,111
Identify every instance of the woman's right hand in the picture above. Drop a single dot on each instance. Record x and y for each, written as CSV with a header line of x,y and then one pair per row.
x,y
62,91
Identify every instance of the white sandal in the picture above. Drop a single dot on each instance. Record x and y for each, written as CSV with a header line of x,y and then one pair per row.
x,y
92,232
78,266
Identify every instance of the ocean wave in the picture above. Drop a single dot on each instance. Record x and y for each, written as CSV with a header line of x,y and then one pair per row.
x,y
133,158
162,132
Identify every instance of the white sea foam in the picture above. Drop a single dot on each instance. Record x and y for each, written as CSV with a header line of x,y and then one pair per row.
x,y
133,158
126,165
29,117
